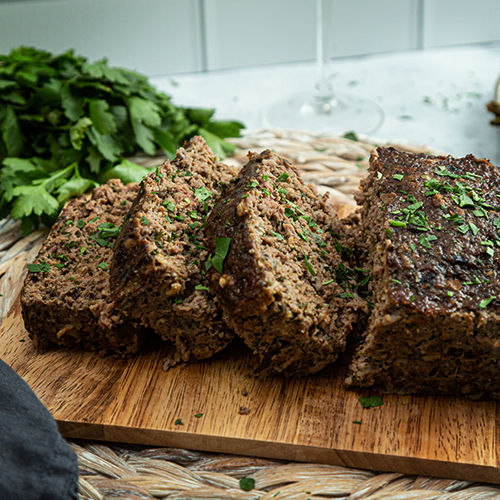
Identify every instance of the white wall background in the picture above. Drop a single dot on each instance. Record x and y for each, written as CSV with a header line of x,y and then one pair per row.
x,y
162,37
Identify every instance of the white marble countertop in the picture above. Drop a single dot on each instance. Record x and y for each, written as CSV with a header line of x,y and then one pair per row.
x,y
434,97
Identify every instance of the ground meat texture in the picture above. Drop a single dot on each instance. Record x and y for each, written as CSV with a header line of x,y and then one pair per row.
x,y
66,297
155,272
279,286
430,236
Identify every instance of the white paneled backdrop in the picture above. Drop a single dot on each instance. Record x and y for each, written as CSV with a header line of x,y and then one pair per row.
x,y
162,37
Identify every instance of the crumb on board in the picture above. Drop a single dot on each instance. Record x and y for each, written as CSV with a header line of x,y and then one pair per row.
x,y
244,410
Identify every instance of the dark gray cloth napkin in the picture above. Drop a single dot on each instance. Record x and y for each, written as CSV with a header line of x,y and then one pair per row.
x,y
35,461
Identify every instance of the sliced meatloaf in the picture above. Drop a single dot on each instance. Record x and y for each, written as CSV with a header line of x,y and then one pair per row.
x,y
66,297
278,266
155,271
430,234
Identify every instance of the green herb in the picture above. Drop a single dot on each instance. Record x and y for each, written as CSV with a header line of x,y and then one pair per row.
x,y
397,223
40,267
379,175
473,228
450,294
124,202
221,250
398,177
328,282
253,184
95,219
178,422
202,193
108,230
371,401
80,223
282,177
201,287
198,415
82,250
351,136
144,220
483,303
308,265
247,483
103,265
68,125
356,422
169,206
279,236
396,281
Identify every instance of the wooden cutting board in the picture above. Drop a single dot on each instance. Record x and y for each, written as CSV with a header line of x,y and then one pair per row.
x,y
313,419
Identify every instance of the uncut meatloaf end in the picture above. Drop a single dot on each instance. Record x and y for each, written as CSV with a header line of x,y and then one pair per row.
x,y
430,238
156,272
66,297
284,284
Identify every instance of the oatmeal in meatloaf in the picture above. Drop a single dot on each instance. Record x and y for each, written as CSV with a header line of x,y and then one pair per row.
x,y
279,267
66,297
430,235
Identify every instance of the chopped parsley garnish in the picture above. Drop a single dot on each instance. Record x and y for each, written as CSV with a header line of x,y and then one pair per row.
x,y
279,236
484,303
253,184
283,177
379,175
144,220
202,193
82,250
247,483
356,422
198,415
328,282
177,300
201,287
103,265
221,250
42,266
308,265
95,219
371,401
398,177
178,422
169,206
108,230
397,223
473,228
80,223
396,281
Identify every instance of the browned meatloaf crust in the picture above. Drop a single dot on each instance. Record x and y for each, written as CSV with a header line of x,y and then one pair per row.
x,y
156,267
279,285
430,234
66,297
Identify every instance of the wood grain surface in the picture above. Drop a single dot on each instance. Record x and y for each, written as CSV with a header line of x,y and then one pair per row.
x,y
311,419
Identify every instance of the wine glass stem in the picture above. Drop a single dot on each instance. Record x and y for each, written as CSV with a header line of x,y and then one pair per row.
x,y
323,88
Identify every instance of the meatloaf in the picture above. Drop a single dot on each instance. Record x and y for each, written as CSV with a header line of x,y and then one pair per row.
x,y
430,235
278,269
66,297
155,272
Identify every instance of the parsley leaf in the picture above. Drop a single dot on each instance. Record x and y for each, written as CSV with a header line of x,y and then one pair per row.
x,y
371,401
70,125
221,250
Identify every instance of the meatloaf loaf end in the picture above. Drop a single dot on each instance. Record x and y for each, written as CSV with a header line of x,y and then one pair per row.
x,y
430,233
155,271
66,297
276,265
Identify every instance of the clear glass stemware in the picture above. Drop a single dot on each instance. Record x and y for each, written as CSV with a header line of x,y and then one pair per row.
x,y
323,109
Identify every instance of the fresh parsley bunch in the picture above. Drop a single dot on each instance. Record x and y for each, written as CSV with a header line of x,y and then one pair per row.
x,y
67,125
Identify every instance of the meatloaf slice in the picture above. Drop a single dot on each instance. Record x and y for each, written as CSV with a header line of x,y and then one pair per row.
x,y
430,232
277,267
66,297
155,271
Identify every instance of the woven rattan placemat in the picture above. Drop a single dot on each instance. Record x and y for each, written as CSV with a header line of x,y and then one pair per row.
x,y
129,472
